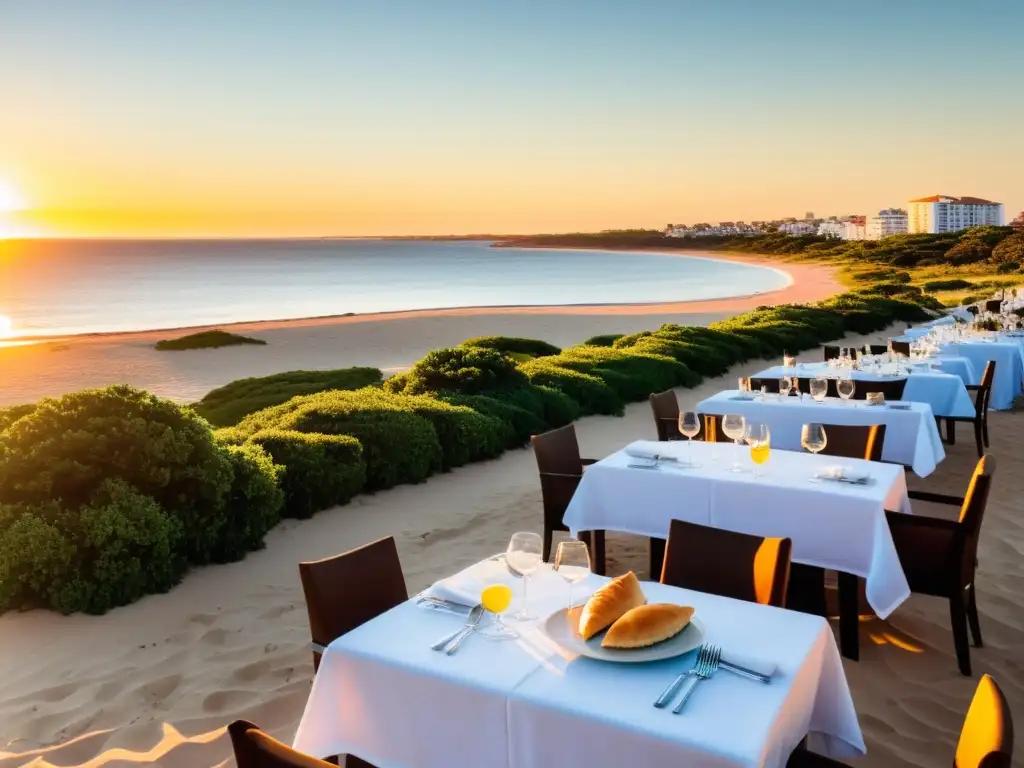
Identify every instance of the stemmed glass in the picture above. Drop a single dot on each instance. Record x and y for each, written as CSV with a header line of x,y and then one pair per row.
x,y
689,427
572,563
523,556
759,439
785,386
846,388
733,425
819,388
496,599
814,440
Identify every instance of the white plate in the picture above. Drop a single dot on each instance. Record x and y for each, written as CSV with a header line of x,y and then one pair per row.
x,y
562,627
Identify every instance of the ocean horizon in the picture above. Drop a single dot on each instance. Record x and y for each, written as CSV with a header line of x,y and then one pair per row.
x,y
71,287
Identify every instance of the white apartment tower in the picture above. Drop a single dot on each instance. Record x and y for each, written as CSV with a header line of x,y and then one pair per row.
x,y
891,221
943,213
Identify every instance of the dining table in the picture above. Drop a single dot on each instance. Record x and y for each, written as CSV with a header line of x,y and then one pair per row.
x,y
383,694
911,437
946,393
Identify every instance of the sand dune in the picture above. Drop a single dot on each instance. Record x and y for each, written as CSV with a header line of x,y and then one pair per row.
x,y
157,681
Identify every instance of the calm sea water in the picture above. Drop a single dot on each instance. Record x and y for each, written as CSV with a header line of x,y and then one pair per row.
x,y
59,287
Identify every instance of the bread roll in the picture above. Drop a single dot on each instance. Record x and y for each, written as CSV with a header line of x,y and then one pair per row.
x,y
609,603
647,625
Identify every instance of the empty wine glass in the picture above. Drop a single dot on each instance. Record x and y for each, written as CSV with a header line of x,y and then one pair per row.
x,y
744,384
733,425
572,563
785,386
523,556
689,427
814,440
846,388
819,388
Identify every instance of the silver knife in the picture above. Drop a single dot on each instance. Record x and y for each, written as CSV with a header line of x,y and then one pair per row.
x,y
475,615
744,672
474,620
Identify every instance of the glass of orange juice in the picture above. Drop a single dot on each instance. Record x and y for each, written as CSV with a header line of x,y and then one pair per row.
x,y
759,440
496,599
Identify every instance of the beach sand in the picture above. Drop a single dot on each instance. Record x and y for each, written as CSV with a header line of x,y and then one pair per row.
x,y
390,341
157,681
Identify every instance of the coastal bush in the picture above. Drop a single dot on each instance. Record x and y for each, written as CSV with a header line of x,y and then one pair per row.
x,y
591,393
12,413
553,406
229,404
605,340
633,374
468,370
513,345
253,504
205,340
1009,250
35,558
515,424
69,446
318,471
1007,267
952,284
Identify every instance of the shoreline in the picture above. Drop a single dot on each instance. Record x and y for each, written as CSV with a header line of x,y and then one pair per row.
x,y
806,283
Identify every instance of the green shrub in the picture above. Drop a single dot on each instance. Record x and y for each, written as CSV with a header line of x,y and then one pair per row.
x,y
511,344
318,471
36,559
12,413
634,373
517,424
591,393
205,340
229,404
253,505
605,340
464,435
552,406
953,284
467,370
69,446
1007,267
230,436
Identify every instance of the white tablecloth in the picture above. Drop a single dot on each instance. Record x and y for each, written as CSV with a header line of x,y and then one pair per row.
x,y
911,436
382,694
1009,367
944,392
957,365
833,525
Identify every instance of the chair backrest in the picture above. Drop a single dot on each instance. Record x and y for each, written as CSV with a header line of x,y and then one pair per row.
x,y
727,563
665,407
558,451
769,385
901,348
976,499
994,305
831,352
255,749
988,377
347,590
891,389
879,349
986,739
854,442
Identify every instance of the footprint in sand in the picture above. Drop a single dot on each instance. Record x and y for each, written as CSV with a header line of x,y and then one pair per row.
x,y
222,700
206,619
214,637
278,611
109,690
58,692
251,672
160,689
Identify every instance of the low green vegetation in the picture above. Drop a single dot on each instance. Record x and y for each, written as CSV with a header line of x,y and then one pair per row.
x,y
227,405
205,340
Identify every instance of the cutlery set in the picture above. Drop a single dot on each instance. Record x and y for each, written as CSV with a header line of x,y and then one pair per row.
x,y
450,643
709,660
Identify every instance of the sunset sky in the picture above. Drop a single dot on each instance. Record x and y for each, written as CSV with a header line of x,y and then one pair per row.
x,y
247,118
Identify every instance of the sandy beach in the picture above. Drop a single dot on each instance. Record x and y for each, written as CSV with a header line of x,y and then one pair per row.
x,y
390,341
156,682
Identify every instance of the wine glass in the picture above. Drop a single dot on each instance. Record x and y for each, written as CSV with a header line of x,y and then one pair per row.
x,y
744,384
846,388
496,598
819,388
759,439
572,563
733,425
785,386
523,556
814,440
689,427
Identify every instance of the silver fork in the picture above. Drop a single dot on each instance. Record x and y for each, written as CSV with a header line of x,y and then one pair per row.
x,y
471,625
673,688
471,621
704,671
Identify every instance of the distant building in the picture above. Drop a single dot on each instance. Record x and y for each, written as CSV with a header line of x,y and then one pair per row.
x,y
809,215
856,228
832,228
797,228
943,213
723,228
890,221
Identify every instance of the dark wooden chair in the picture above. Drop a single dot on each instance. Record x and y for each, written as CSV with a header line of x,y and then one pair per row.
x,y
986,738
665,407
994,305
769,385
727,563
831,352
879,349
940,556
982,395
901,348
891,389
347,590
255,749
561,469
807,582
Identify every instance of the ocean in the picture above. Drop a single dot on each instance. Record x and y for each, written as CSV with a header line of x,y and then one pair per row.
x,y
58,287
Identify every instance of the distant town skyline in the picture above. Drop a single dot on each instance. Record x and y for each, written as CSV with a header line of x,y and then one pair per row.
x,y
399,118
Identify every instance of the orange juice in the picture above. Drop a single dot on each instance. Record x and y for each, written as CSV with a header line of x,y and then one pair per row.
x,y
496,598
759,453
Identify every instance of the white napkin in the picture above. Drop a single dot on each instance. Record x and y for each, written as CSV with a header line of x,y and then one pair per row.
x,y
464,588
646,451
899,405
843,473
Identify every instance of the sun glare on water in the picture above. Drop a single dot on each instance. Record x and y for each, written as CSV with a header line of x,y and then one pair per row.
x,y
6,327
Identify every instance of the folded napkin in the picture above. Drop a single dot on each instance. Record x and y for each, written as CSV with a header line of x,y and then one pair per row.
x,y
641,450
899,405
464,588
848,474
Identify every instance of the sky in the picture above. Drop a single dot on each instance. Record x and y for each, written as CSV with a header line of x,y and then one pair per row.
x,y
244,118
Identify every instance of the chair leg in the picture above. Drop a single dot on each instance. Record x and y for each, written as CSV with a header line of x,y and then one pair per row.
x,y
595,540
807,589
548,536
958,618
972,617
657,558
978,438
849,618
950,431
984,428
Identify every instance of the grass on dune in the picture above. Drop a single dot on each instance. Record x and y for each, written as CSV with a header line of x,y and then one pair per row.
x,y
205,340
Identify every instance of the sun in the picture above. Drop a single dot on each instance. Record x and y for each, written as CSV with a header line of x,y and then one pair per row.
x,y
10,200
6,327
